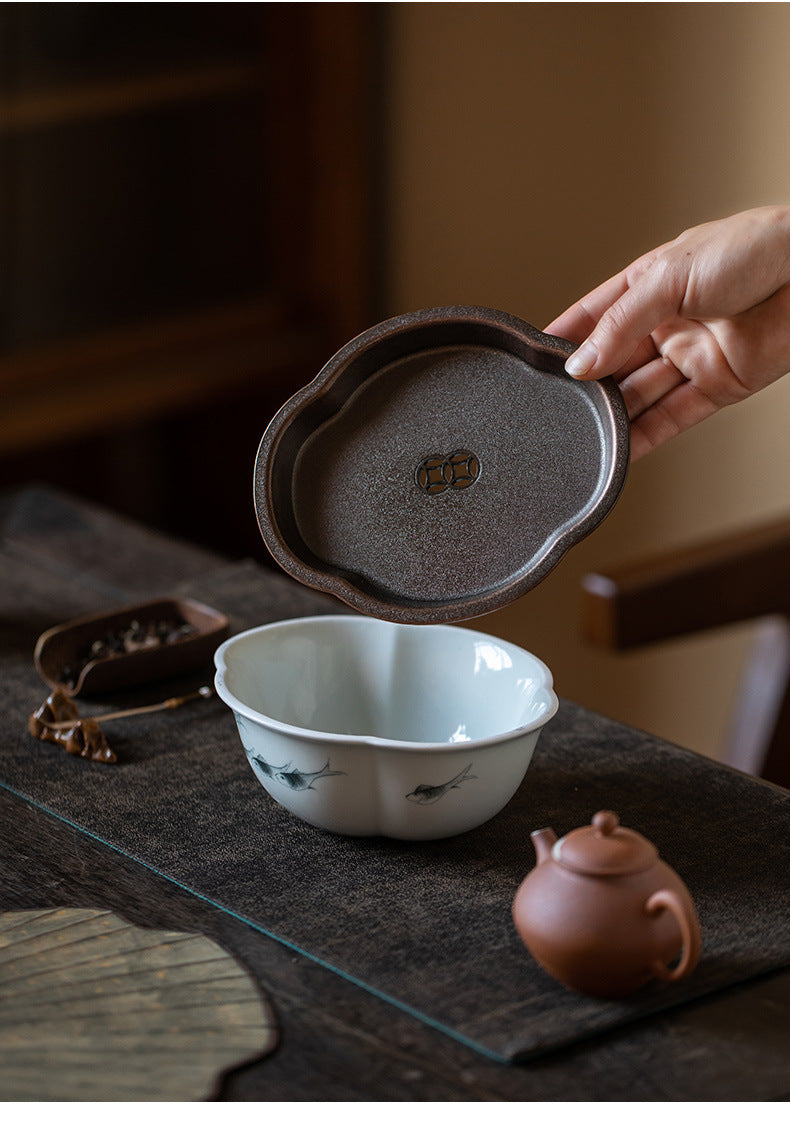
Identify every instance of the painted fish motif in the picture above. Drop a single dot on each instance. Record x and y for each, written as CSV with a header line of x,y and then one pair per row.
x,y
265,768
304,780
425,794
296,780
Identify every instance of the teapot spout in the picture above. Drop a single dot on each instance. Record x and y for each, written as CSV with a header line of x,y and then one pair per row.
x,y
543,840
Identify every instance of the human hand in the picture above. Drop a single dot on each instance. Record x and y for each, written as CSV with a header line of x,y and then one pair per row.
x,y
693,326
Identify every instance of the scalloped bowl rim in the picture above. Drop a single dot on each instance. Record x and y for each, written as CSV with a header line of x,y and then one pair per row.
x,y
381,742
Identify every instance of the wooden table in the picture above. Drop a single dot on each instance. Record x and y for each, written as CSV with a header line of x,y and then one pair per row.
x,y
339,1042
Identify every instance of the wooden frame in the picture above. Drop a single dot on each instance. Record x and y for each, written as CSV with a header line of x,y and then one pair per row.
x,y
317,79
742,577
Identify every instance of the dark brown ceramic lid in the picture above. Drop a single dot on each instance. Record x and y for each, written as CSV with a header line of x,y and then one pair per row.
x,y
605,848
439,466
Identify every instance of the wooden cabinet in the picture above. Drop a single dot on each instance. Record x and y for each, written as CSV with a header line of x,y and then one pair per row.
x,y
187,231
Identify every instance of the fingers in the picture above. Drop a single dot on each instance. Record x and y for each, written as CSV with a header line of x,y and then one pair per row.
x,y
692,326
611,322
718,270
757,343
653,295
577,322
683,406
647,385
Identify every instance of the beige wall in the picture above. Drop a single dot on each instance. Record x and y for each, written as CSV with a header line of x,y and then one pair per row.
x,y
534,149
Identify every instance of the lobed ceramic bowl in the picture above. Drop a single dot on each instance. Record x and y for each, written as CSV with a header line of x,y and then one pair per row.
x,y
366,727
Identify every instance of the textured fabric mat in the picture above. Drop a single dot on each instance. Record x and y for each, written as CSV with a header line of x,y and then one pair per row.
x,y
425,926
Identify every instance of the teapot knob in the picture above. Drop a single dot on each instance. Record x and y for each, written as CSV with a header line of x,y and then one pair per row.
x,y
606,822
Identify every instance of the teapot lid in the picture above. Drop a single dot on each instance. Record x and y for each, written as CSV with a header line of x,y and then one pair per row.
x,y
604,848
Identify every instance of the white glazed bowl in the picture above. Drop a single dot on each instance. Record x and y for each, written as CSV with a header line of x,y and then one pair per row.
x,y
364,727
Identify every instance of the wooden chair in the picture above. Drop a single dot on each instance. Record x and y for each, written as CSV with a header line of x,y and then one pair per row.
x,y
742,577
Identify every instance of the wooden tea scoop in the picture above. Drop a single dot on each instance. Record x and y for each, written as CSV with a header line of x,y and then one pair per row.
x,y
173,702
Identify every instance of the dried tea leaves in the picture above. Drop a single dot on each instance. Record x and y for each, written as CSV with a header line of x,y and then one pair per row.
x,y
136,636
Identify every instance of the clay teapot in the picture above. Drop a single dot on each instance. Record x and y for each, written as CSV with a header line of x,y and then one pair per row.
x,y
602,913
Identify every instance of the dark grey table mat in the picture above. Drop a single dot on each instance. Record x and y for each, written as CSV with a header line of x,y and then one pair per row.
x,y
426,926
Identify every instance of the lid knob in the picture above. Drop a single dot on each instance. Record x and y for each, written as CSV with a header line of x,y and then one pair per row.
x,y
606,822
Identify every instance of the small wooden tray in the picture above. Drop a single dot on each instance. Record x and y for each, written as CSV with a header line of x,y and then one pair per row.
x,y
66,646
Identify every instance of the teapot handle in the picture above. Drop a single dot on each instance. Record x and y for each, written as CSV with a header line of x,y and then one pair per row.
x,y
689,931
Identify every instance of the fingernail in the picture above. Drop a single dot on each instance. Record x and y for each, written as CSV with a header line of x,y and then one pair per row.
x,y
582,360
